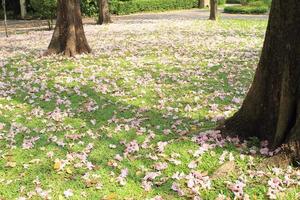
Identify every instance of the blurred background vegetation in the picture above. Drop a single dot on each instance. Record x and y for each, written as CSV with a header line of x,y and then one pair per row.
x,y
46,9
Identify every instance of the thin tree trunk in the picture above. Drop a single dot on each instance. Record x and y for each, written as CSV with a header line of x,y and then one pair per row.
x,y
244,2
5,17
50,25
271,109
68,36
104,16
23,9
213,9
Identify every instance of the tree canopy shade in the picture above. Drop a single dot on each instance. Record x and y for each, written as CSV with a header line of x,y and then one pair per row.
x,y
271,109
104,16
68,36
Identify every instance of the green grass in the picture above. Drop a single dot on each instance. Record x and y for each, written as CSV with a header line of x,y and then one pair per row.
x,y
143,87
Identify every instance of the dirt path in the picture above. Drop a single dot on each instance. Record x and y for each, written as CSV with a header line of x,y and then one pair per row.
x,y
15,26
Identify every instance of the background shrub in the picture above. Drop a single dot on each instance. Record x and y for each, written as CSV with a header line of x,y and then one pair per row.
x,y
233,1
246,9
221,2
89,7
121,7
45,9
250,7
267,2
132,6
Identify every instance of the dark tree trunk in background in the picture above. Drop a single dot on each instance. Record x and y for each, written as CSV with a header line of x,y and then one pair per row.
x,y
104,16
271,109
68,37
199,4
213,9
14,5
5,17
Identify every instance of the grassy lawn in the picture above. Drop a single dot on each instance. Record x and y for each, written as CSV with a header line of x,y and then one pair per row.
x,y
132,120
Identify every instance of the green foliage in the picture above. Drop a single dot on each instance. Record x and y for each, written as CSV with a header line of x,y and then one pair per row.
x,y
132,6
221,2
266,2
250,7
45,9
247,9
233,1
89,7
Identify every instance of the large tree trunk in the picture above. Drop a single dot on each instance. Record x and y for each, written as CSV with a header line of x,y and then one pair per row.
x,y
104,16
68,37
213,9
271,109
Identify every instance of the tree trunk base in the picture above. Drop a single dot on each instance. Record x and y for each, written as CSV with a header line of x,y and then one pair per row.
x,y
213,9
68,36
271,109
281,160
104,15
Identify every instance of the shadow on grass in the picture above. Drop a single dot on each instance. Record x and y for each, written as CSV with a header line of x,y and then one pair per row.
x,y
136,117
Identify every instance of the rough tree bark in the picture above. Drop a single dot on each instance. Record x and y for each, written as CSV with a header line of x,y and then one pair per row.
x,y
68,36
104,16
271,109
213,9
